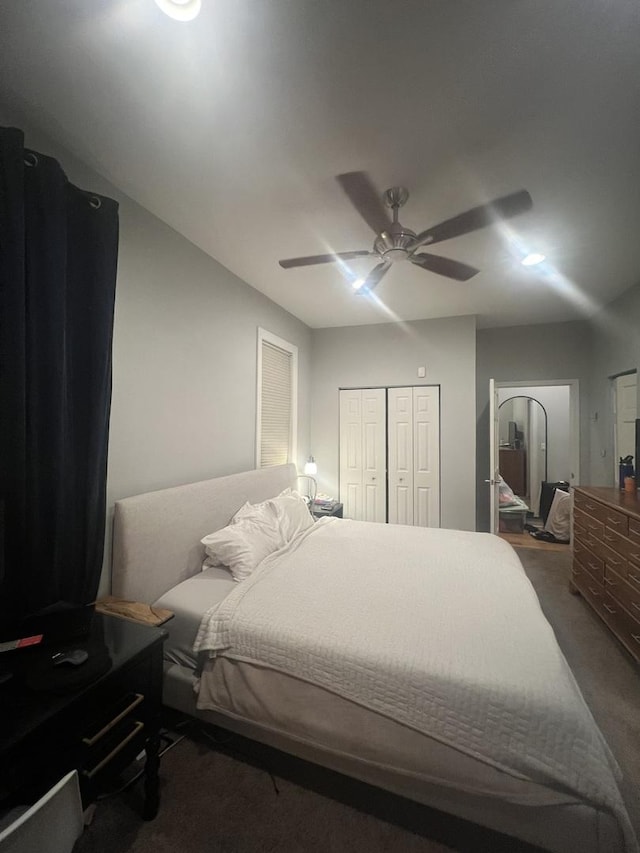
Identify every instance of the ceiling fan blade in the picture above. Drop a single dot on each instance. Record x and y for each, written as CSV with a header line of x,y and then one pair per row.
x,y
374,278
366,200
477,217
444,266
323,259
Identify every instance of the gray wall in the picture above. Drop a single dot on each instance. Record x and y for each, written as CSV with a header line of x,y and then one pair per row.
x,y
390,354
184,353
529,353
616,349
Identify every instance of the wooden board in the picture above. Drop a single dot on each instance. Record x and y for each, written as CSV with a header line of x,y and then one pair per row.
x,y
133,610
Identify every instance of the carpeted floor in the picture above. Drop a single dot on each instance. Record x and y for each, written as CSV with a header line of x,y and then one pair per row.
x,y
221,798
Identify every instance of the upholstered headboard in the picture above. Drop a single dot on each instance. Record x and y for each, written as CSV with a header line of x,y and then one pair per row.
x,y
156,536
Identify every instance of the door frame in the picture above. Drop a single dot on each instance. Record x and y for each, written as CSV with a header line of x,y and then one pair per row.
x,y
386,389
574,421
614,415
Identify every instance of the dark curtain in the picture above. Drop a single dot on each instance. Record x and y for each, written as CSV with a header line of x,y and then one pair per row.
x,y
58,257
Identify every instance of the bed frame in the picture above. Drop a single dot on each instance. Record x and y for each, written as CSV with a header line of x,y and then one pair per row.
x,y
156,545
156,536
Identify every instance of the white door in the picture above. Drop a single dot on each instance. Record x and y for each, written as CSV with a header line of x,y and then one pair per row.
x,y
494,456
351,453
625,401
413,422
374,470
400,445
362,454
426,456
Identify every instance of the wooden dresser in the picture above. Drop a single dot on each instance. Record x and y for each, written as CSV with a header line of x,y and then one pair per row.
x,y
513,468
606,558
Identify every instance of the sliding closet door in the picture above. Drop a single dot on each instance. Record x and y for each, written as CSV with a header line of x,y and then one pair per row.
x,y
362,454
414,455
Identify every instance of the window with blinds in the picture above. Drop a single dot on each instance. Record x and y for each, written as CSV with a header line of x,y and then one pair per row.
x,y
276,404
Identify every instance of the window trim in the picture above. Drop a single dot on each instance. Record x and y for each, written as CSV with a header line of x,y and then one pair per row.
x,y
265,336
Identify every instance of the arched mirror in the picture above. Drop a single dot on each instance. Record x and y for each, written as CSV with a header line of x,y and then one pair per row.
x,y
522,425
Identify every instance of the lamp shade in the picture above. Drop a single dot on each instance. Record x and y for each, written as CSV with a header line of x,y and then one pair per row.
x,y
310,467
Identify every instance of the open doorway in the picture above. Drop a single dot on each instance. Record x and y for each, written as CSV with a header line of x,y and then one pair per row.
x,y
625,397
536,440
523,426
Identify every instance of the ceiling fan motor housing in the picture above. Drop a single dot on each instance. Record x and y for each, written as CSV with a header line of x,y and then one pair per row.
x,y
394,244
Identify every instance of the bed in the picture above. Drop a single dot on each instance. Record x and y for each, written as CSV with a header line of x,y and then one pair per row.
x,y
416,660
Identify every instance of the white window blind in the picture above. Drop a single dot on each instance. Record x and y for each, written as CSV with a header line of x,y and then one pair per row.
x,y
276,403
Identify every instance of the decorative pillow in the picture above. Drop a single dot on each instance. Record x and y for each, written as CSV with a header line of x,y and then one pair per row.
x,y
292,513
559,518
253,534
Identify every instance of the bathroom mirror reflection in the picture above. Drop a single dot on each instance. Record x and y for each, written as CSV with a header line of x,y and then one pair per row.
x,y
522,426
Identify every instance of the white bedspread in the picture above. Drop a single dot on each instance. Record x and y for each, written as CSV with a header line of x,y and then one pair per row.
x,y
456,646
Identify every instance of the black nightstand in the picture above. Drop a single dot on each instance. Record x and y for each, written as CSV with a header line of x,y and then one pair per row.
x,y
98,728
334,509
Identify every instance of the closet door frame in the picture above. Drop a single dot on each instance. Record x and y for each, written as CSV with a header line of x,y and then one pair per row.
x,y
415,433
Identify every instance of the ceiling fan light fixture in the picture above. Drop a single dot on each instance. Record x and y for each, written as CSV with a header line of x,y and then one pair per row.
x,y
180,10
532,259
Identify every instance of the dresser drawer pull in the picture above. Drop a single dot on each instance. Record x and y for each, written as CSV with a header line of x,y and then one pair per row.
x,y
614,562
137,699
636,638
137,728
594,567
613,520
609,538
634,578
594,592
608,608
589,506
610,582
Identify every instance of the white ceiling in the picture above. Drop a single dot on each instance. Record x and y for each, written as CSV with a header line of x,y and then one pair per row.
x,y
232,129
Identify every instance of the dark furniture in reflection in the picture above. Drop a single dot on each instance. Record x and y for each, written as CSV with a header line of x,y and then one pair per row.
x,y
513,468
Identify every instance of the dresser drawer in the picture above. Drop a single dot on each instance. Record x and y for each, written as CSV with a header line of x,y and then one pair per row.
x,y
589,506
617,521
593,593
605,551
591,526
624,626
623,591
593,565
623,546
633,576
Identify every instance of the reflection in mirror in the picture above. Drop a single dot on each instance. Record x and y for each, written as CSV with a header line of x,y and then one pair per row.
x,y
522,425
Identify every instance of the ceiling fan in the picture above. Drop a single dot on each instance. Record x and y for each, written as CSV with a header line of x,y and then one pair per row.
x,y
395,243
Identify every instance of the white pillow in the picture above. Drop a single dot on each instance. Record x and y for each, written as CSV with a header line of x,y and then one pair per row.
x,y
559,518
253,534
292,513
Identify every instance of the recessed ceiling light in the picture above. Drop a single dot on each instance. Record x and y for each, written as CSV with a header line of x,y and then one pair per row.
x,y
532,259
357,284
180,10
